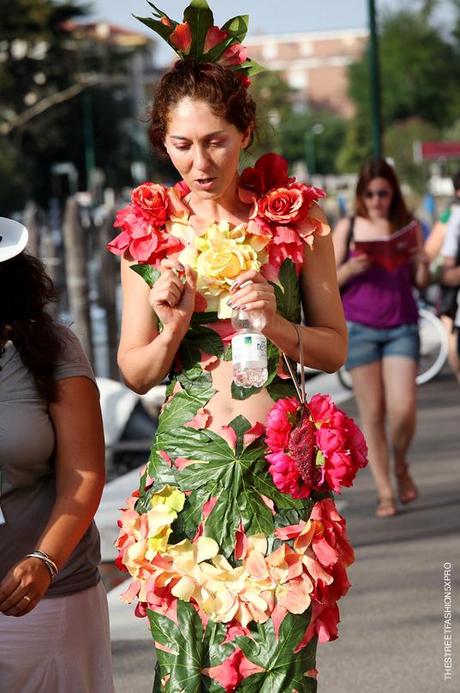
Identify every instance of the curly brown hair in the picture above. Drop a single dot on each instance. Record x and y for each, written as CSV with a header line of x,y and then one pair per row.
x,y
399,215
219,86
25,290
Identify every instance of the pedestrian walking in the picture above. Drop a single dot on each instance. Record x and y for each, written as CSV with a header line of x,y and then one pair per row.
x,y
381,314
54,629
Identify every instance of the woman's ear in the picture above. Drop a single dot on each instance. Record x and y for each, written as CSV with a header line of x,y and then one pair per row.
x,y
246,138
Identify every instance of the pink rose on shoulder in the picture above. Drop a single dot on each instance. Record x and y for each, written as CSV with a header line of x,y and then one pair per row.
x,y
153,201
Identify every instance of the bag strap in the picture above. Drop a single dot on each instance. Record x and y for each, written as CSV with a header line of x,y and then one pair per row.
x,y
300,387
350,234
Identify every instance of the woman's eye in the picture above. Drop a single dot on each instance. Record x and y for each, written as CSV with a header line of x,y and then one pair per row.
x,y
182,147
216,143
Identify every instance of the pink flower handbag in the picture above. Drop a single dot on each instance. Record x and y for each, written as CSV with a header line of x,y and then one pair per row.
x,y
313,445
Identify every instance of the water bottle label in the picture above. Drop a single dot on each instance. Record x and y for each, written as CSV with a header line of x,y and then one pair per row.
x,y
250,348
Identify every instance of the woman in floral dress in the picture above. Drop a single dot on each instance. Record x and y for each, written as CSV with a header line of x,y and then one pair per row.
x,y
236,560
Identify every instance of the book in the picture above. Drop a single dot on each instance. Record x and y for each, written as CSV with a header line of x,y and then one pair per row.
x,y
393,251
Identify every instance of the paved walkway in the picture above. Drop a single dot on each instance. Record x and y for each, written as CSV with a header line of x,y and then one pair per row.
x,y
391,635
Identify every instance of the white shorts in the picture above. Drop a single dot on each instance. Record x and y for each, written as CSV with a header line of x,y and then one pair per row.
x,y
62,646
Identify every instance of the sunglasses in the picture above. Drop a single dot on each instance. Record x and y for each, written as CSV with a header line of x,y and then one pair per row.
x,y
377,193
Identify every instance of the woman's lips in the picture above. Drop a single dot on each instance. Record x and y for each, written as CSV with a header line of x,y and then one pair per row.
x,y
205,183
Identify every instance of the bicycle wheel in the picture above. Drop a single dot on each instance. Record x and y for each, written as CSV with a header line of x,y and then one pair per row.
x,y
345,378
433,346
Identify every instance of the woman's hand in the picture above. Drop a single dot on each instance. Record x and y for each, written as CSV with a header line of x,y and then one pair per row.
x,y
418,255
172,297
252,292
357,264
23,586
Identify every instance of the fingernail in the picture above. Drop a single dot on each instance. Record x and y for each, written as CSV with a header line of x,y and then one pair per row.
x,y
246,283
229,303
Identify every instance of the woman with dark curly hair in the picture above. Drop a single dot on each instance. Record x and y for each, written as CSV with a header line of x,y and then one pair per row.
x,y
382,318
51,480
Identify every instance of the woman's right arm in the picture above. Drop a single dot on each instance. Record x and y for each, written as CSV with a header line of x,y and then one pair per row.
x,y
145,354
346,267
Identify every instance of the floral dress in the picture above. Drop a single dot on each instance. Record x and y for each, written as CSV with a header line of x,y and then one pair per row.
x,y
236,561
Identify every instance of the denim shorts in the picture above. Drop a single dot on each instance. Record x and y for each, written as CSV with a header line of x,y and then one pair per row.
x,y
366,344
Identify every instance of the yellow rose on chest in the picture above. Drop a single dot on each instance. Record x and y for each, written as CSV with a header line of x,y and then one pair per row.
x,y
219,254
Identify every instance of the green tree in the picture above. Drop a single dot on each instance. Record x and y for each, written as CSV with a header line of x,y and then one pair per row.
x,y
420,73
59,89
419,70
282,128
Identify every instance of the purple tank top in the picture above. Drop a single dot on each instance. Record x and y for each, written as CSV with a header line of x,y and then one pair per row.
x,y
378,298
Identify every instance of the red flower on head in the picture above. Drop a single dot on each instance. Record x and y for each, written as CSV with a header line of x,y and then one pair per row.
x,y
244,79
181,38
236,54
214,36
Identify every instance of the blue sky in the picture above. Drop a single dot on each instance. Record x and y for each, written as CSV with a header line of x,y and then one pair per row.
x,y
266,16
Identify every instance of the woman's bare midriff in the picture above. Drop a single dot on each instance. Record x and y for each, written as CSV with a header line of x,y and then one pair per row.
x,y
223,408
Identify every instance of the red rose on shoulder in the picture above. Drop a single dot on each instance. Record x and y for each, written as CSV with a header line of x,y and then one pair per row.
x,y
290,204
270,171
153,202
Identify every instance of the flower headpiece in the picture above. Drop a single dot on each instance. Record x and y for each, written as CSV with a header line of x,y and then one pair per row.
x,y
197,37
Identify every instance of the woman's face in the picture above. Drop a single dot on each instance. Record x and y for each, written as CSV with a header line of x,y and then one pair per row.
x,y
378,197
204,148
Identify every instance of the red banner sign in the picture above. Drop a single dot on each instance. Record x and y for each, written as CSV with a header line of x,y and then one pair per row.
x,y
439,150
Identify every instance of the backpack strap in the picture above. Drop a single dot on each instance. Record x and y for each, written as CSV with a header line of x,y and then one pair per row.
x,y
350,234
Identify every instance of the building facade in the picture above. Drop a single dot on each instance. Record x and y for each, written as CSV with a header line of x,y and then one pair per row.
x,y
314,64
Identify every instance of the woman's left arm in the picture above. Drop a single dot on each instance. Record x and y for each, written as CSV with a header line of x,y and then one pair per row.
x,y
80,478
325,338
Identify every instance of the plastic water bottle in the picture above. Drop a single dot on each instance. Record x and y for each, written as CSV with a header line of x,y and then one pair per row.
x,y
249,349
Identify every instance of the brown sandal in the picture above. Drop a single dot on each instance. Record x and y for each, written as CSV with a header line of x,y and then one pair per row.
x,y
407,490
386,507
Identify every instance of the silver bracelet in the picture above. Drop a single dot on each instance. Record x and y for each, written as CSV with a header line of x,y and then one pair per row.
x,y
47,560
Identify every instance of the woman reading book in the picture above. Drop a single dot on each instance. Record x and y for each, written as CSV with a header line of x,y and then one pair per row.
x,y
383,333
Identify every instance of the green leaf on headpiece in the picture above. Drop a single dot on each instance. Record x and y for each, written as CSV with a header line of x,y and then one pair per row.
x,y
250,68
237,27
200,18
158,27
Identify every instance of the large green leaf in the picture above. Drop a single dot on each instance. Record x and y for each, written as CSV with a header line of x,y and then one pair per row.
x,y
197,383
237,27
178,411
185,661
284,669
252,68
223,522
158,27
191,649
287,292
197,339
149,273
279,389
203,318
200,18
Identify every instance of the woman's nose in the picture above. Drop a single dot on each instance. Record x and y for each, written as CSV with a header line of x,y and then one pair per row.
x,y
201,158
